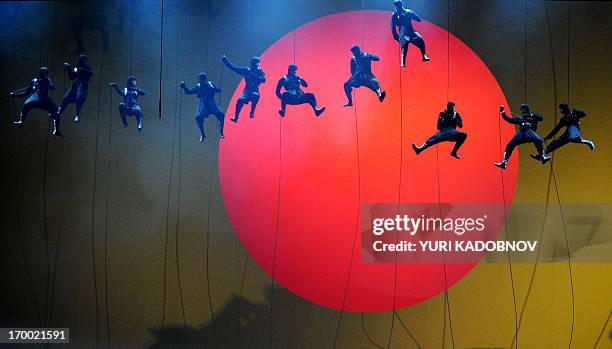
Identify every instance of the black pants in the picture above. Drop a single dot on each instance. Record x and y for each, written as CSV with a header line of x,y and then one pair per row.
x,y
34,102
522,137
416,39
571,135
357,81
202,116
447,135
245,98
563,140
133,110
77,94
297,99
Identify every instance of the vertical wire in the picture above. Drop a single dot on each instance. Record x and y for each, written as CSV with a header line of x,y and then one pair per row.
x,y
178,216
395,313
131,37
93,207
161,59
399,202
107,220
208,207
278,199
44,180
278,207
525,51
503,188
19,231
561,211
446,301
171,177
52,285
62,222
247,256
546,207
178,119
354,243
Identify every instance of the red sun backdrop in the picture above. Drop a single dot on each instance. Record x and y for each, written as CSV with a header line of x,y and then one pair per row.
x,y
324,166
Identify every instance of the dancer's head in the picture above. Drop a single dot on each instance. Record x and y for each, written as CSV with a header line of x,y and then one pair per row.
x,y
43,72
131,81
255,62
202,77
82,60
450,106
356,50
292,69
398,5
564,108
525,108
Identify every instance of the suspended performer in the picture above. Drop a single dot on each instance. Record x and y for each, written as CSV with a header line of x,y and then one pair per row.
x,y
38,92
253,77
525,134
77,94
293,94
403,31
361,74
448,121
571,121
130,106
205,91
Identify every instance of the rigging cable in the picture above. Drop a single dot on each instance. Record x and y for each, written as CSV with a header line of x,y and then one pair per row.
x,y
18,226
278,197
549,182
63,186
93,205
44,180
107,221
161,59
358,210
211,167
569,257
247,256
446,301
171,176
399,201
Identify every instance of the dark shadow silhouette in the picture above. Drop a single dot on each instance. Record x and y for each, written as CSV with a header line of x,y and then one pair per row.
x,y
251,329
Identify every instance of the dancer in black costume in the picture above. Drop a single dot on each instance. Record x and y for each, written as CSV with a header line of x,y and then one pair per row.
x,y
253,77
361,74
448,121
403,31
77,93
38,91
571,121
130,106
525,134
205,91
293,93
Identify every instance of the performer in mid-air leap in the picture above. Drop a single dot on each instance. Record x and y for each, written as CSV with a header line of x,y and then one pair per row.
x,y
448,121
571,121
253,77
293,93
130,106
402,19
361,75
38,91
77,93
525,134
205,91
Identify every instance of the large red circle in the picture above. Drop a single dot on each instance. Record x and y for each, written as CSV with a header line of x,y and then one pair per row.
x,y
319,173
